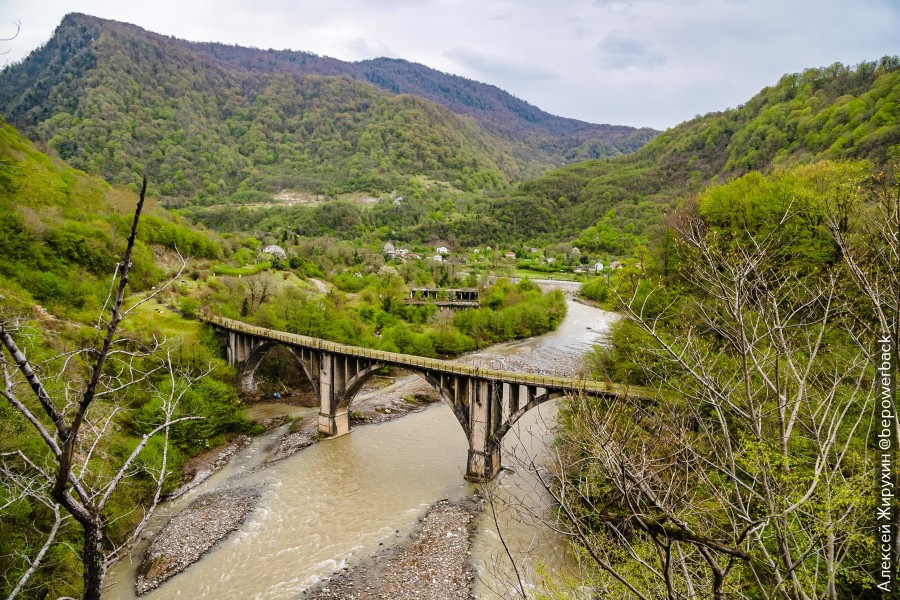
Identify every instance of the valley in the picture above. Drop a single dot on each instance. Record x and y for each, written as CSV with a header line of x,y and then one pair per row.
x,y
722,292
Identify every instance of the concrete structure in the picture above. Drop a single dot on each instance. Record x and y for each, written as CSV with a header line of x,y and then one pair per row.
x,y
486,402
451,297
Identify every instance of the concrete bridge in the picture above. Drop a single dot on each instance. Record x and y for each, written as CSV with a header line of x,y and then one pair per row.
x,y
486,402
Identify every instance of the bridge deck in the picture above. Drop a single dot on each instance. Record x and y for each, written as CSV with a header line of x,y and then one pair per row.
x,y
445,366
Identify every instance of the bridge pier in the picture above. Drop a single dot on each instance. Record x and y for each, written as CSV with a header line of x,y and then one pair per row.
x,y
485,410
334,420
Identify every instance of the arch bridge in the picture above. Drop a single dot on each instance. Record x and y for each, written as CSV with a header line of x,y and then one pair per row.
x,y
486,402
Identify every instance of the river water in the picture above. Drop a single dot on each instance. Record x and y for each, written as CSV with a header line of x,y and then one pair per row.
x,y
339,500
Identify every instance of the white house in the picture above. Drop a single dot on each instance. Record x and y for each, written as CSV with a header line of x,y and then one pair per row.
x,y
441,250
275,251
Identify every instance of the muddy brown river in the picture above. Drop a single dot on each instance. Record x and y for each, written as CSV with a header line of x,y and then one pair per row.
x,y
341,500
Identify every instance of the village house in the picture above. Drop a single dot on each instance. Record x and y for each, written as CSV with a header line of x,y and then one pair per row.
x,y
274,250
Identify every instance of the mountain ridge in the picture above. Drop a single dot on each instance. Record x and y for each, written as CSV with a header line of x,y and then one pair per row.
x,y
88,90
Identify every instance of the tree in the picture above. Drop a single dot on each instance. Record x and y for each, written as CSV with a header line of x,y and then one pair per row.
x,y
744,471
71,407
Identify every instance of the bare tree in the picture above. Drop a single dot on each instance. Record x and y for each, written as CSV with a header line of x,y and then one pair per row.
x,y
21,479
261,288
71,404
865,225
18,25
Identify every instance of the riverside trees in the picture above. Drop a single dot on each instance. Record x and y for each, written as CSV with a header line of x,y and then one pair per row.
x,y
751,474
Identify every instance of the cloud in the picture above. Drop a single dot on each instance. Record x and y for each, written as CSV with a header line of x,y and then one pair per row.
x,y
620,51
497,69
363,49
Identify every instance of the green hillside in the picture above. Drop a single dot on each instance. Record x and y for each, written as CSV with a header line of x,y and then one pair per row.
x,y
836,112
113,99
608,207
61,231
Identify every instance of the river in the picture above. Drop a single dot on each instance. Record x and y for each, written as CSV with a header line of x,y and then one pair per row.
x,y
341,499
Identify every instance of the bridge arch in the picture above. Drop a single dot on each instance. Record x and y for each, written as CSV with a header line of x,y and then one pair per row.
x,y
258,353
445,394
517,414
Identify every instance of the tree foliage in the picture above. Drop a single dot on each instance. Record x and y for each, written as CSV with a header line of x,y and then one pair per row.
x,y
748,473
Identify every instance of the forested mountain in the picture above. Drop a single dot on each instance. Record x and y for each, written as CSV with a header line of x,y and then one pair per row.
x,y
497,110
220,124
208,121
837,112
611,206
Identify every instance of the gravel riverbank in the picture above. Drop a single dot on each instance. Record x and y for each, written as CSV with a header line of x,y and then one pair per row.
x,y
191,533
201,467
432,565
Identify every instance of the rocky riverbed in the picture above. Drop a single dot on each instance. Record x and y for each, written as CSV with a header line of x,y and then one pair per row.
x,y
432,565
191,533
198,469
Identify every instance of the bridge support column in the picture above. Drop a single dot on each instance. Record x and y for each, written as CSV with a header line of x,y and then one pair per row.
x,y
484,419
334,419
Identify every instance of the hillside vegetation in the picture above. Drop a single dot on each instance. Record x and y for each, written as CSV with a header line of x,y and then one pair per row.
x,y
775,320
541,133
210,125
61,231
837,112
613,207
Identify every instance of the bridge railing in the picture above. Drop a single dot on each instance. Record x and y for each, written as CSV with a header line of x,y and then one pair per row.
x,y
394,358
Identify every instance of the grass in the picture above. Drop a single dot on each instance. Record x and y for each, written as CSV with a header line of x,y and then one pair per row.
x,y
541,275
160,318
238,271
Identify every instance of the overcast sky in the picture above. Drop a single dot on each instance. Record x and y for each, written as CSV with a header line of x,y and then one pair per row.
x,y
633,62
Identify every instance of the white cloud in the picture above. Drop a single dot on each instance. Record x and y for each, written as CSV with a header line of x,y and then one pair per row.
x,y
621,51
